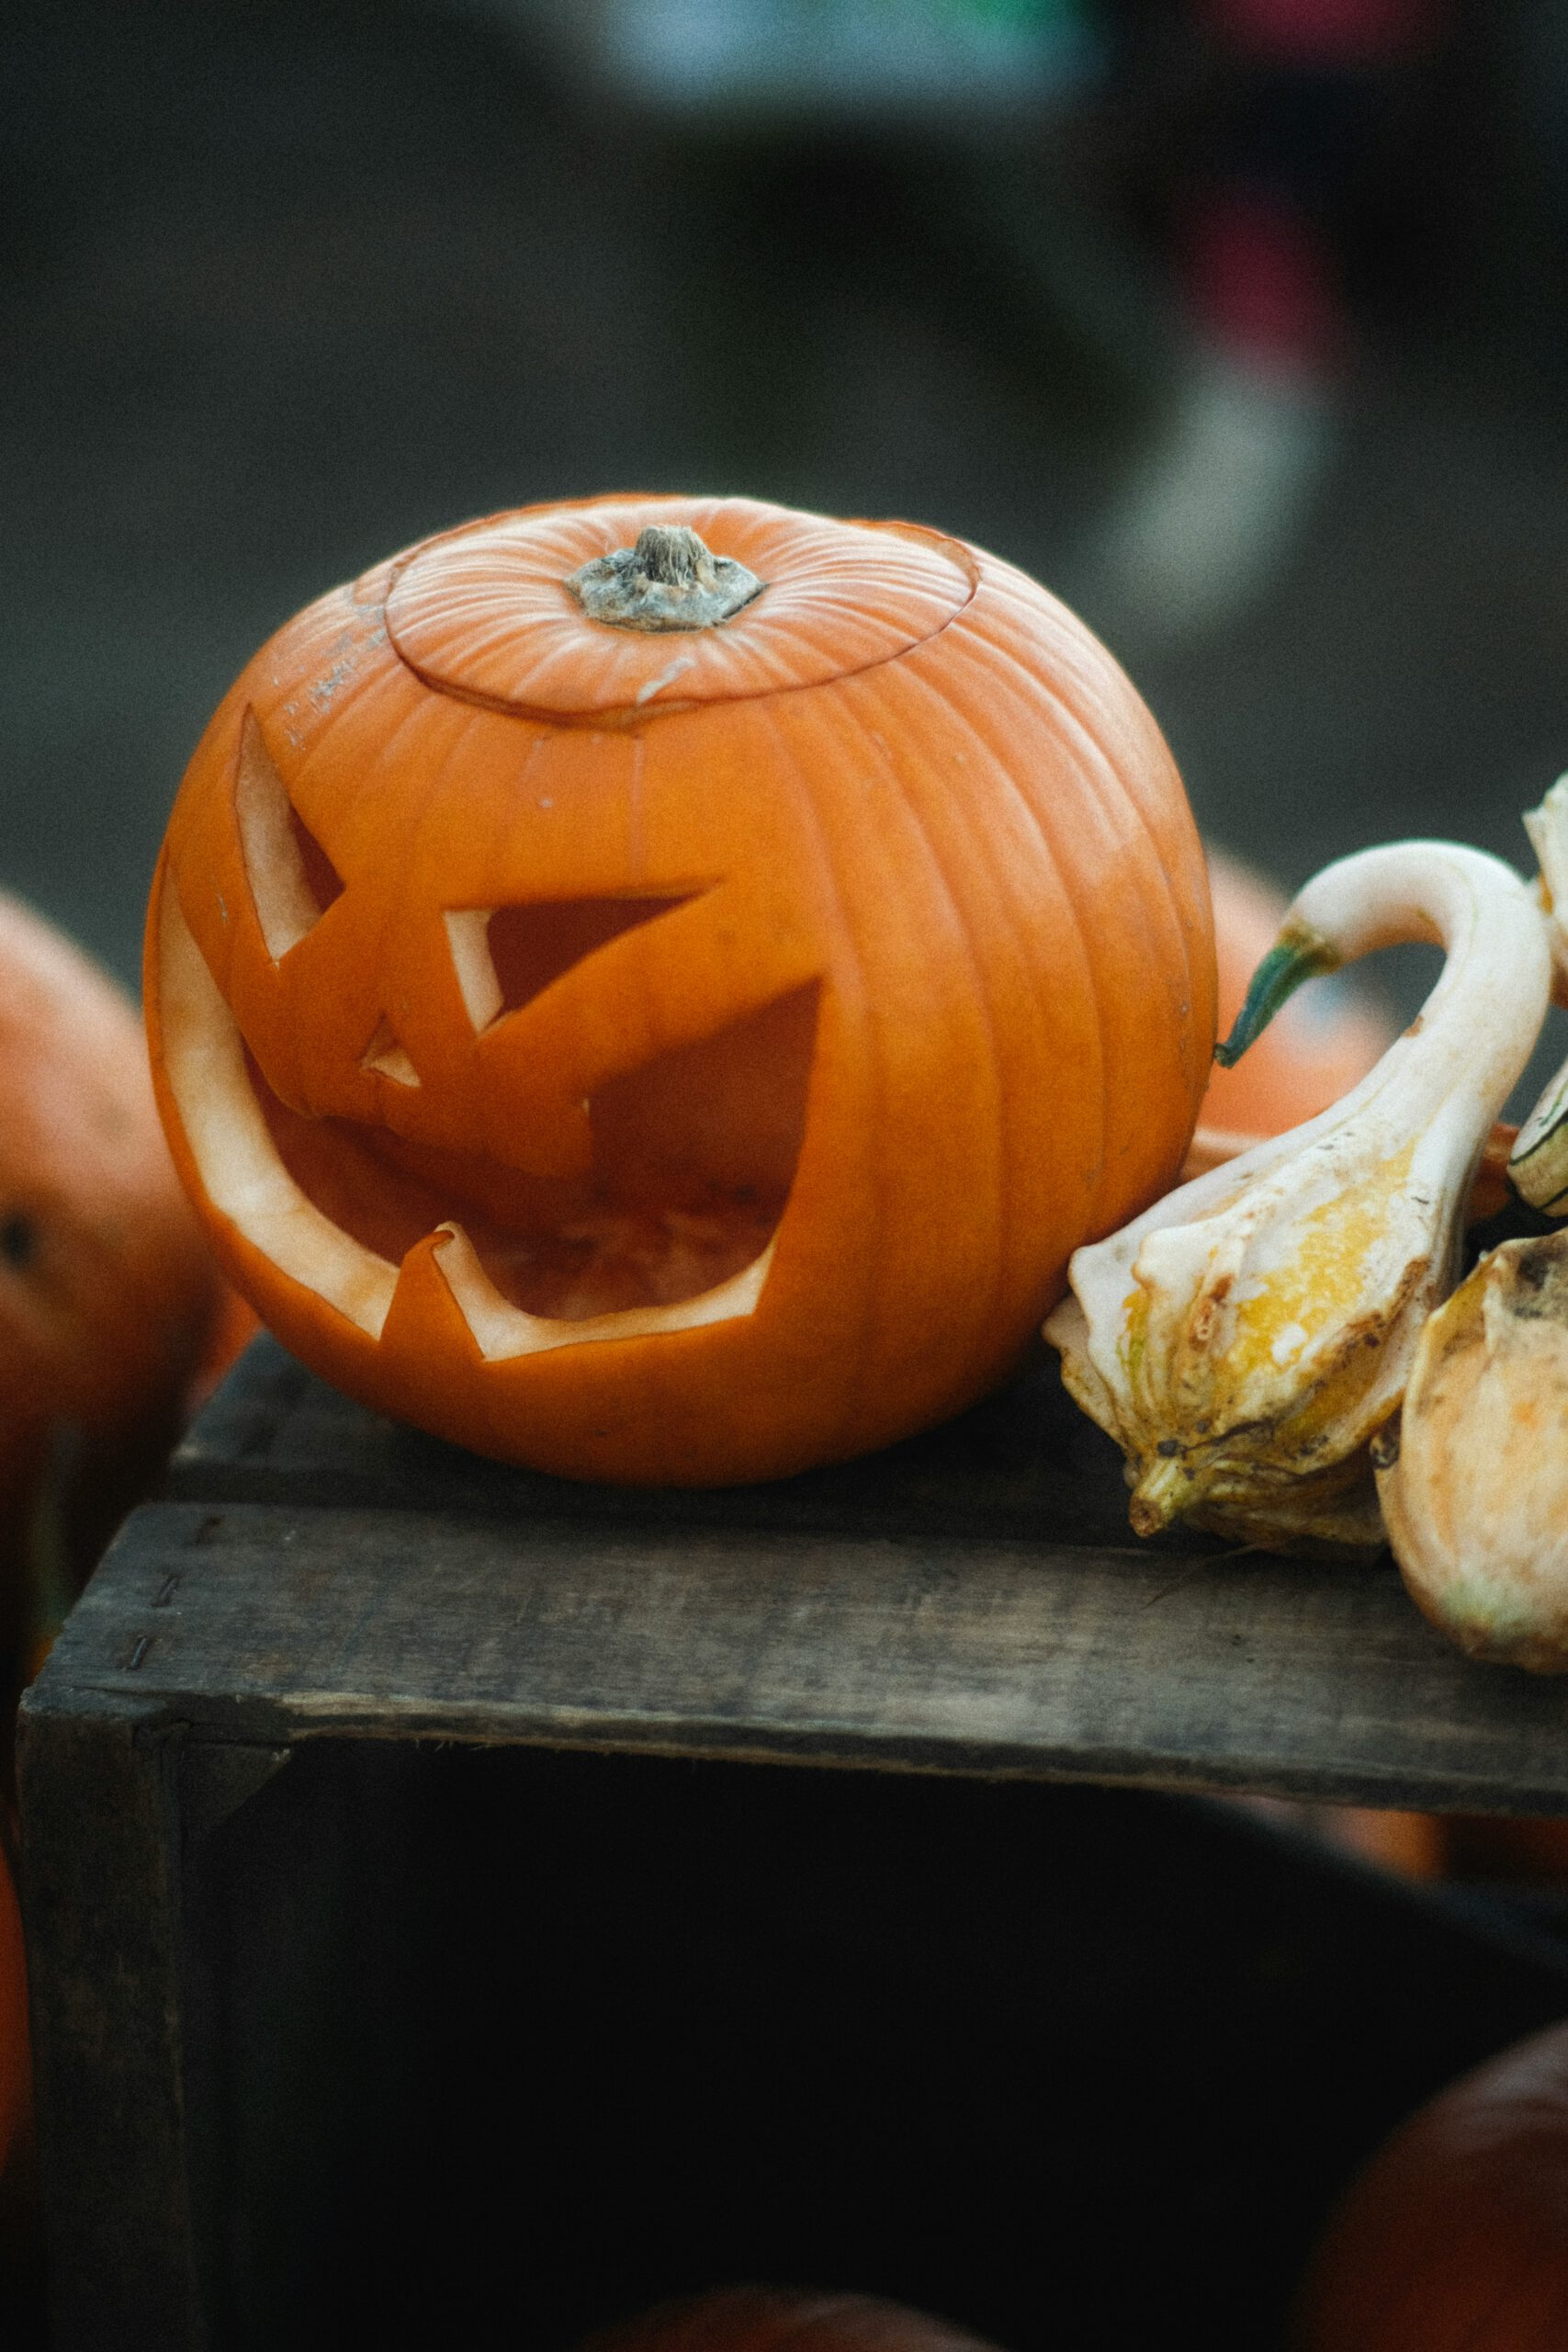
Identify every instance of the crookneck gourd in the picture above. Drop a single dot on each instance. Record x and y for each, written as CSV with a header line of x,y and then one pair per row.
x,y
1246,1338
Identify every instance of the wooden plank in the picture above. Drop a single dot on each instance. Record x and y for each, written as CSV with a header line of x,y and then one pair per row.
x,y
267,1623
1024,1460
101,1893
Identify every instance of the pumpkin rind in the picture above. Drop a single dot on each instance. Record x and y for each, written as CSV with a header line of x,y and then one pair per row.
x,y
951,826
1454,2238
103,1323
770,2319
486,613
109,1298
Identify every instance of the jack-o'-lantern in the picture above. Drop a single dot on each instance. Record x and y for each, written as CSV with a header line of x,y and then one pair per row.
x,y
656,988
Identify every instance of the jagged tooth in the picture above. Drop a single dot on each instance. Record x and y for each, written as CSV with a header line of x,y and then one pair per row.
x,y
234,1149
501,1331
499,1328
387,1055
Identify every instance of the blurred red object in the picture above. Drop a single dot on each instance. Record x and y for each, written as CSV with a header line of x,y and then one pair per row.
x,y
1329,32
1259,284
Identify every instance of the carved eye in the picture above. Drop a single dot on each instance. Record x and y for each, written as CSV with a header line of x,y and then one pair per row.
x,y
292,880
505,956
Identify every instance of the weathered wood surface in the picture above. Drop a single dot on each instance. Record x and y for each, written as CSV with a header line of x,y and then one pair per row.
x,y
101,1893
317,1583
848,1618
1025,1463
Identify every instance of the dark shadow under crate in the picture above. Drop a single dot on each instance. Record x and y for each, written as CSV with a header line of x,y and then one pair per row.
x,y
488,2046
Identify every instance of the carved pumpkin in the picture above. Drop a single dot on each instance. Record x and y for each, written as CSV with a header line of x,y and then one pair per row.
x,y
1455,2237
763,2319
666,1009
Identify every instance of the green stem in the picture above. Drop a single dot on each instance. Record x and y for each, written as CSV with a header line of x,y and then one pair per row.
x,y
1298,954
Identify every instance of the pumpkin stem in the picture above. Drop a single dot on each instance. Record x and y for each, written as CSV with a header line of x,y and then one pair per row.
x,y
670,580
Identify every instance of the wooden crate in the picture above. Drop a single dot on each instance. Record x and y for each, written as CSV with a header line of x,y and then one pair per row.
x,y
418,1955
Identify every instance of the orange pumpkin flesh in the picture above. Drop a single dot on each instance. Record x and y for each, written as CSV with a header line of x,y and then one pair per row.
x,y
1455,2237
761,2319
681,1056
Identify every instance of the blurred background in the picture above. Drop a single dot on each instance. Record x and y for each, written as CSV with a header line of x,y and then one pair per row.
x,y
1239,323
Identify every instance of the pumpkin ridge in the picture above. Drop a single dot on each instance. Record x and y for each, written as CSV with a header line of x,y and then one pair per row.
x,y
1079,709
295,704
987,734
1107,771
1093,760
997,1156
849,950
1118,772
1001,771
1094,990
636,811
365,783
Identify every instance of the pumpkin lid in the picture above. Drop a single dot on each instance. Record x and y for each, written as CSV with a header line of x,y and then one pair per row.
x,y
489,613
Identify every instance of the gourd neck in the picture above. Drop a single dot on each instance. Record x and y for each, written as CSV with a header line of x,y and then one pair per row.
x,y
670,580
1477,1028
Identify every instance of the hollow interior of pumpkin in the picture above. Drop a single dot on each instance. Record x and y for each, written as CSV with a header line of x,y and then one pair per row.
x,y
694,1158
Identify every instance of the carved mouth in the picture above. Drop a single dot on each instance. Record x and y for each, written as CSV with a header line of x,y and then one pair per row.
x,y
673,1226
